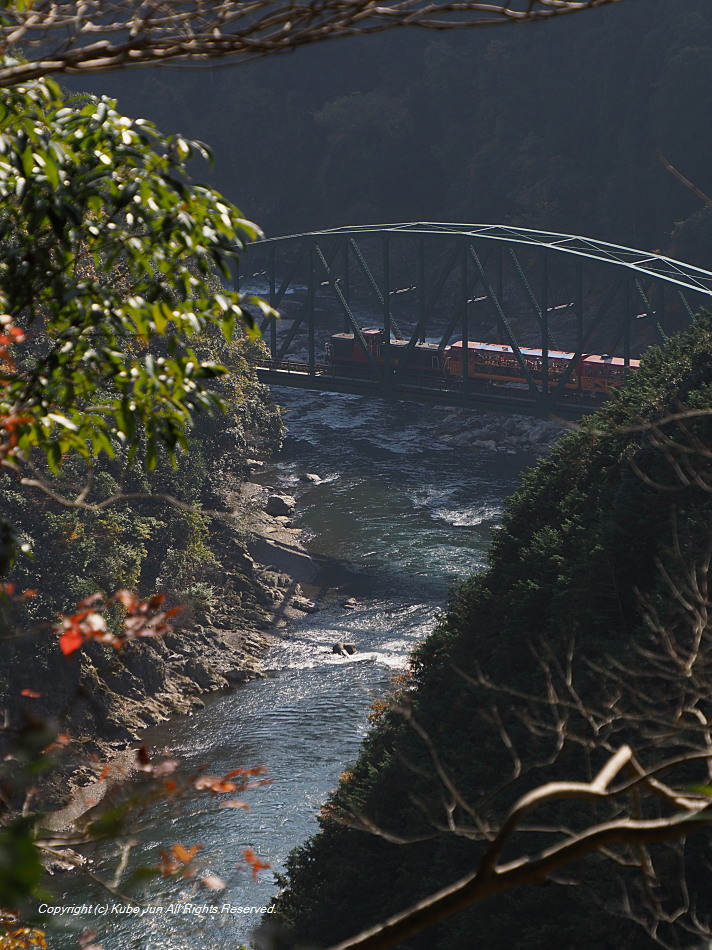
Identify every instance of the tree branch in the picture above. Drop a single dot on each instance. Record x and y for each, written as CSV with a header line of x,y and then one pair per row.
x,y
100,35
490,878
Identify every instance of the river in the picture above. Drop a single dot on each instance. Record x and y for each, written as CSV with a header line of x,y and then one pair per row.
x,y
406,517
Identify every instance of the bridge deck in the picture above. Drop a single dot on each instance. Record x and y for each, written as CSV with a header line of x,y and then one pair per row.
x,y
475,395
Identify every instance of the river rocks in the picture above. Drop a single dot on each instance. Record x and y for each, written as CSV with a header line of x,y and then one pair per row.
x,y
488,444
61,860
258,618
121,692
242,676
310,477
497,433
304,604
344,649
112,695
277,505
203,674
350,604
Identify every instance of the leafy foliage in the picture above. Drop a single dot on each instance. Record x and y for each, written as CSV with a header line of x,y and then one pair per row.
x,y
106,248
142,619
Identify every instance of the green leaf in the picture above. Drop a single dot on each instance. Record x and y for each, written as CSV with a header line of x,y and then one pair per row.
x,y
62,421
54,457
116,284
151,456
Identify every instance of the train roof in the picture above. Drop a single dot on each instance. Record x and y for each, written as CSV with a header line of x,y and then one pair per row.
x,y
603,359
607,360
507,350
370,331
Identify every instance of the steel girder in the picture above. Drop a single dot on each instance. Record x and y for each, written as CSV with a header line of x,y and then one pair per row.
x,y
512,272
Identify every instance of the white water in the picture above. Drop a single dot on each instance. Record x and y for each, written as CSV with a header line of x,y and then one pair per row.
x,y
409,517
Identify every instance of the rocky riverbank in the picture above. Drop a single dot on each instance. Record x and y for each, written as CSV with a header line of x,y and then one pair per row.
x,y
100,699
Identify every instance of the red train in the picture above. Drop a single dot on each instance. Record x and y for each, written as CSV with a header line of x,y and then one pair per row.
x,y
490,362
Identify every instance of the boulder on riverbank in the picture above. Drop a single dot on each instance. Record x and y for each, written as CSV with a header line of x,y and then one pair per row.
x,y
279,505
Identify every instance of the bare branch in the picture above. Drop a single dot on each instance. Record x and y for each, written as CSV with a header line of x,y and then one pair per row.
x,y
111,500
98,35
684,181
659,703
492,878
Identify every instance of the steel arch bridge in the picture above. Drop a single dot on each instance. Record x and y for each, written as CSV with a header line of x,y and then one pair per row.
x,y
438,283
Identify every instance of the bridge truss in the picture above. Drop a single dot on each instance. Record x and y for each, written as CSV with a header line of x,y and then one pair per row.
x,y
440,283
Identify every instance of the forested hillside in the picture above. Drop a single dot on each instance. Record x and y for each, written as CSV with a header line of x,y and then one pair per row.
x,y
551,126
597,558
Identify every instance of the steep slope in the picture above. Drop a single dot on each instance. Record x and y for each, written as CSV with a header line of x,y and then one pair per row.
x,y
582,555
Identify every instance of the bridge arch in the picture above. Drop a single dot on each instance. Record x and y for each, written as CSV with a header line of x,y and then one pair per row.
x,y
423,281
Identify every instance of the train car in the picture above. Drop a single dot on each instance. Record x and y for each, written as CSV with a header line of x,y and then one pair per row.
x,y
498,363
493,363
603,373
345,350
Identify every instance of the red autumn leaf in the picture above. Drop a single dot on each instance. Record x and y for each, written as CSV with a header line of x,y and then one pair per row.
x,y
79,616
257,770
255,863
70,641
214,784
89,622
184,854
167,865
179,859
60,741
31,693
129,600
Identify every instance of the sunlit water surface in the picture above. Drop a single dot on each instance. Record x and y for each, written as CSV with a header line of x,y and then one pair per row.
x,y
407,517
